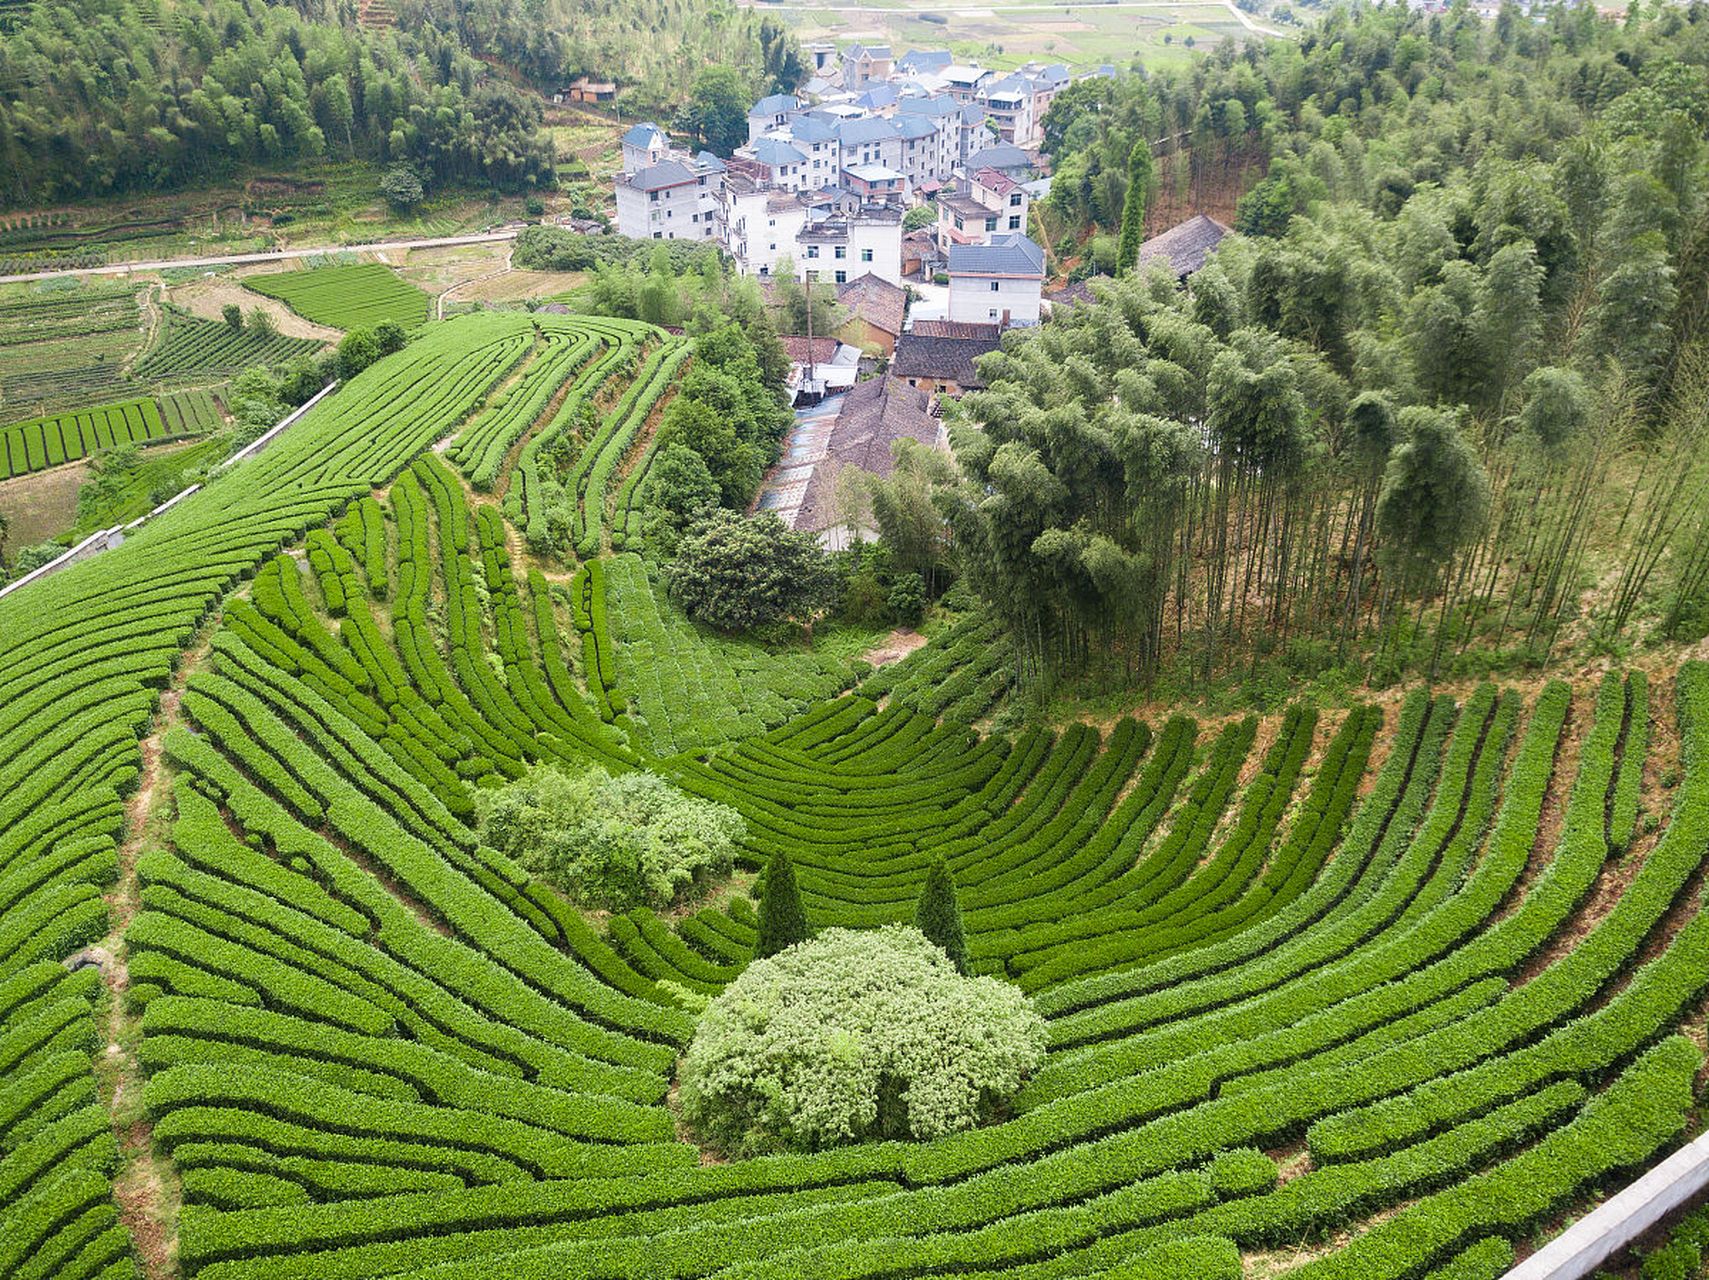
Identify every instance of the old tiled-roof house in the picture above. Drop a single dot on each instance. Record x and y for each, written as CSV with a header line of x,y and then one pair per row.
x,y
873,417
876,308
943,365
1185,247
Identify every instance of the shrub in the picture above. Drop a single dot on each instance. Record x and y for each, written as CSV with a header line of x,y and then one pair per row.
x,y
938,915
855,1036
614,842
783,922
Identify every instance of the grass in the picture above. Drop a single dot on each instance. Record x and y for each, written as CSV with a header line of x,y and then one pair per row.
x,y
346,297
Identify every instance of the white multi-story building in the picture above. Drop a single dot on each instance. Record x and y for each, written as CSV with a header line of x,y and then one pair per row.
x,y
771,113
644,145
677,198
760,226
1000,282
981,209
845,246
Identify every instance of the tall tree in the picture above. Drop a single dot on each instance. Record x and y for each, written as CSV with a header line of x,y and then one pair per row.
x,y
937,914
783,922
1139,179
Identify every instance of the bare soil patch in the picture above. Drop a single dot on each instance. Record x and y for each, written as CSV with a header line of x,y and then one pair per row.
x,y
41,505
205,298
894,647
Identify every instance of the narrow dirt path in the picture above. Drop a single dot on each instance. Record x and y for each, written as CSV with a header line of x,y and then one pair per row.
x,y
146,1186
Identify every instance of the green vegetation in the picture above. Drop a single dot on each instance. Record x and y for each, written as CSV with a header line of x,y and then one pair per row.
x,y
47,442
851,1037
190,348
346,297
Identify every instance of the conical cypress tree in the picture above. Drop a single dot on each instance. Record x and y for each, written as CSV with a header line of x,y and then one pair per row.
x,y
782,921
938,915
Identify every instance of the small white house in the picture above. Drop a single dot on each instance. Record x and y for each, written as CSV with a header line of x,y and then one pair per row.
x,y
675,199
1000,282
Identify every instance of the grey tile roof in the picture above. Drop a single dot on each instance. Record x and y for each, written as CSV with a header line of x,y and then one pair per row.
x,y
1185,246
941,359
915,127
775,105
873,416
643,135
1011,255
772,151
666,173
925,60
876,301
1001,155
811,129
935,107
867,129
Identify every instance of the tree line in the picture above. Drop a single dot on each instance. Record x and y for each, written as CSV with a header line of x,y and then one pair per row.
x,y
116,96
1453,402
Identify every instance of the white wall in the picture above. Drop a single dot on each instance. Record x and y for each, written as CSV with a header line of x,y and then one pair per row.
x,y
972,298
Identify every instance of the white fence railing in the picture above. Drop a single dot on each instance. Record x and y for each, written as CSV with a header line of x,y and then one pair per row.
x,y
1617,1221
106,539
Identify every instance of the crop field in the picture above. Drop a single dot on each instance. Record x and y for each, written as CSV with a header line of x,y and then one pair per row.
x,y
66,437
1401,985
189,348
64,344
346,297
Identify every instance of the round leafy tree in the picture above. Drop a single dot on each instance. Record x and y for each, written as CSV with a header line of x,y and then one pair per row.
x,y
855,1036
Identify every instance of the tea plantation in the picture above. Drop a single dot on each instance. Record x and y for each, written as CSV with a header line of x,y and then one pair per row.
x,y
1382,990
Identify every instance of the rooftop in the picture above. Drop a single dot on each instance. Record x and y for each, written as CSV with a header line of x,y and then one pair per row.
x,y
999,155
877,301
957,329
941,359
774,151
1010,255
873,416
1185,246
776,104
656,177
644,135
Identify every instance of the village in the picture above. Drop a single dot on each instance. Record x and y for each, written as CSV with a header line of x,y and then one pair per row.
x,y
906,183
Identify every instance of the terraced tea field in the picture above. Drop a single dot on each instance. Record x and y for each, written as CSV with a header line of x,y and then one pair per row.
x,y
345,297
1402,983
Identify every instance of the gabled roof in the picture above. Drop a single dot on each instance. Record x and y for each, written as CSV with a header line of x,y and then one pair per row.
x,y
1185,246
996,180
941,359
1008,86
1055,73
972,113
706,162
873,416
875,300
1010,255
774,151
643,135
963,73
925,60
776,105
913,127
666,173
801,349
867,129
957,329
811,128
1001,155
871,51
877,96
935,107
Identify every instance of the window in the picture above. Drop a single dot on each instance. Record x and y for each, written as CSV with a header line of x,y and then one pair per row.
x,y
990,224
842,251
1015,200
996,285
842,277
813,277
658,235
991,314
1014,222
653,196
866,255
812,251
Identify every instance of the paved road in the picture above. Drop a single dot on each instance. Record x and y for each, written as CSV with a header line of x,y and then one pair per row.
x,y
274,255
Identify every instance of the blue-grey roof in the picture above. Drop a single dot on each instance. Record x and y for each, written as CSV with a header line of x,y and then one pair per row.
x,y
972,113
934,107
876,96
925,60
775,105
915,127
1000,155
1055,73
871,50
666,173
1010,255
1007,85
772,151
642,135
709,163
866,129
811,129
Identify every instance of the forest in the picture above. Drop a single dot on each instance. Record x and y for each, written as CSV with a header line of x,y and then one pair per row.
x,y
1443,405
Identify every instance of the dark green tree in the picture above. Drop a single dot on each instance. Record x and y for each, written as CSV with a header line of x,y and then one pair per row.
x,y
783,922
1139,177
938,915
718,109
233,315
736,573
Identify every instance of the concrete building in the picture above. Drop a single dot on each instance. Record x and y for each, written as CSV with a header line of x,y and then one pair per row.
x,y
862,63
771,113
1008,104
980,208
644,145
843,246
1000,281
676,199
760,226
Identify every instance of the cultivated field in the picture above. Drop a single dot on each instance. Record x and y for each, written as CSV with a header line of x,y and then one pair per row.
x,y
345,297
1395,986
